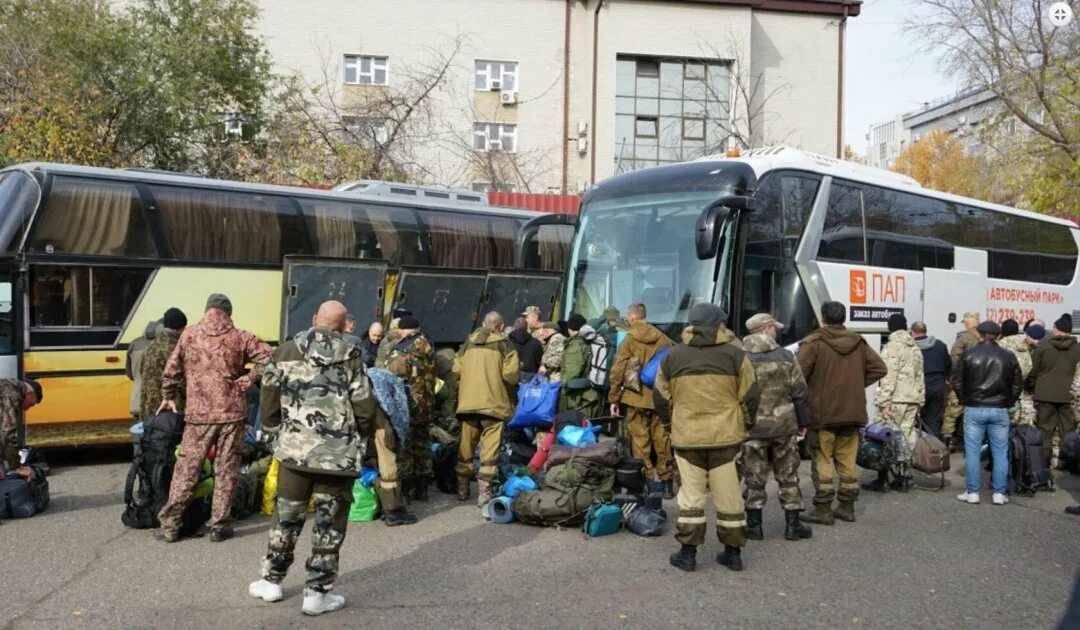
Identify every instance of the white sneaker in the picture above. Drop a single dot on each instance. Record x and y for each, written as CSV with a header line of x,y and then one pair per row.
x,y
969,497
316,603
266,591
1000,499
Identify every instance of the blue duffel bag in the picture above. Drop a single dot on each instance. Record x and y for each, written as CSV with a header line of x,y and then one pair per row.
x,y
538,402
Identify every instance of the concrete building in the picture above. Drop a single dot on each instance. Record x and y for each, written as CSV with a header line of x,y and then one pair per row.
x,y
966,115
554,95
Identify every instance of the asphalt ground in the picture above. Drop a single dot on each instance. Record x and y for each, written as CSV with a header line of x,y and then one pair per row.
x,y
917,560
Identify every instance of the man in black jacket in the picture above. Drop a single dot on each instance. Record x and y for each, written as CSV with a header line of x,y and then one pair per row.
x,y
529,349
987,381
937,370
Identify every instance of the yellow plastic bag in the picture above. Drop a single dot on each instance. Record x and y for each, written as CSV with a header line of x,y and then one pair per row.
x,y
269,497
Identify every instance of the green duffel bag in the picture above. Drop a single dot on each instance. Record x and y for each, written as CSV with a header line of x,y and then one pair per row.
x,y
552,508
582,473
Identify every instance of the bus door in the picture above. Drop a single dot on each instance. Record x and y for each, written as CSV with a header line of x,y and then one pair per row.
x,y
947,295
444,300
509,291
309,281
9,356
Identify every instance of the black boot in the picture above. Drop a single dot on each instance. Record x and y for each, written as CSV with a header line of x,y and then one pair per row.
x,y
1074,510
881,484
397,517
753,525
902,481
685,559
406,486
730,557
795,529
420,488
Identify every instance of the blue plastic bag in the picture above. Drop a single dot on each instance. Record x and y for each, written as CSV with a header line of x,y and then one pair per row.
x,y
578,436
652,368
515,485
538,401
368,476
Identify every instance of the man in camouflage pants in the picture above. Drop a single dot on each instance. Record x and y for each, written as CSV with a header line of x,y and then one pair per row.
x,y
412,359
898,399
316,403
773,444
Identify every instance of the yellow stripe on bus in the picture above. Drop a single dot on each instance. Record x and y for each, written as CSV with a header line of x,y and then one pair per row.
x,y
82,398
70,360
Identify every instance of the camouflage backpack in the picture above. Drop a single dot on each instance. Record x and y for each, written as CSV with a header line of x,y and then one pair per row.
x,y
877,456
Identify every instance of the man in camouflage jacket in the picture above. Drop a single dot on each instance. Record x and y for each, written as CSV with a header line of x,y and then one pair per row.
x,y
773,444
15,397
899,396
316,404
412,359
154,359
210,359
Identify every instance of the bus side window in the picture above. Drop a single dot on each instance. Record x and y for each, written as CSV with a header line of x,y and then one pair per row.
x,y
842,236
92,217
82,306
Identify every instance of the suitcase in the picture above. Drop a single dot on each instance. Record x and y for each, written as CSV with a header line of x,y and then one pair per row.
x,y
604,453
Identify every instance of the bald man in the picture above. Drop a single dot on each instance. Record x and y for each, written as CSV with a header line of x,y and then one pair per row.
x,y
317,405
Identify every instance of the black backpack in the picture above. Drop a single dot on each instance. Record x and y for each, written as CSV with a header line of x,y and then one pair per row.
x,y
150,474
1029,468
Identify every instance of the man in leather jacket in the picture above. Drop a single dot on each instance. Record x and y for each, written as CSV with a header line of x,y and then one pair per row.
x,y
987,382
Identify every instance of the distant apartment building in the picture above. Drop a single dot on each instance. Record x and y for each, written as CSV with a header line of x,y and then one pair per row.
x,y
555,95
966,116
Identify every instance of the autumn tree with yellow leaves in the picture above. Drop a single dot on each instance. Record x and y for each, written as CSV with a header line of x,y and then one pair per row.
x,y
939,161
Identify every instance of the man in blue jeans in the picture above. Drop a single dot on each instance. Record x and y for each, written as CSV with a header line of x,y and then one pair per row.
x,y
987,381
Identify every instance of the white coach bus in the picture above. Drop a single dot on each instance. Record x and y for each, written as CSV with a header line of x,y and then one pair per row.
x,y
780,230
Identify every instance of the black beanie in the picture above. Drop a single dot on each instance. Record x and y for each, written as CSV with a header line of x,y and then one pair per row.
x,y
408,322
1010,327
174,319
1064,323
897,321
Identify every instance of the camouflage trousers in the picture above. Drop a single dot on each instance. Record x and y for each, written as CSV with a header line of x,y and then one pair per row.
x,y
953,411
228,438
414,459
779,455
332,495
1023,412
834,452
904,418
649,438
704,473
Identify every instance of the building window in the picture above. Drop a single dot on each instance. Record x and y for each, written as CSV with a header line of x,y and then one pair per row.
x,y
669,110
495,137
883,150
367,70
496,75
365,130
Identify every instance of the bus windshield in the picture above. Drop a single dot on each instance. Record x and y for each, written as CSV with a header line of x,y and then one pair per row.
x,y
641,248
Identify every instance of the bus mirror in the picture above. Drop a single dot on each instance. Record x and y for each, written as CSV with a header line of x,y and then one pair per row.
x,y
712,219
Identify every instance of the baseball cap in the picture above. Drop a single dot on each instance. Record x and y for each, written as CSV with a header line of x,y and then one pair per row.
x,y
531,310
971,315
761,321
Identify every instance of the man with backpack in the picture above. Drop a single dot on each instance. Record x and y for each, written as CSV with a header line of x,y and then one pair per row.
x,y
154,360
898,399
210,358
15,398
987,381
707,391
577,392
648,435
317,404
1053,366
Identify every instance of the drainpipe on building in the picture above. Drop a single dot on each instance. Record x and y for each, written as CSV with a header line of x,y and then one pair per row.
x,y
840,89
595,69
566,96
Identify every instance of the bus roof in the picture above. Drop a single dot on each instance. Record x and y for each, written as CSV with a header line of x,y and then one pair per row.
x,y
159,177
772,158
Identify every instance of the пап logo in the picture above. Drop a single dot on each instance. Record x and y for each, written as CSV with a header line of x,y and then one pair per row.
x,y
857,286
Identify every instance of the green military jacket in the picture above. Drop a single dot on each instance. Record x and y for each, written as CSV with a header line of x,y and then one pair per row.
x,y
577,392
411,358
785,399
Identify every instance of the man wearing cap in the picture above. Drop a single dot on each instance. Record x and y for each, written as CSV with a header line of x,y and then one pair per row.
x,y
899,395
1053,368
838,365
649,436
773,443
210,359
706,390
533,320
577,392
554,346
412,360
987,381
154,360
952,431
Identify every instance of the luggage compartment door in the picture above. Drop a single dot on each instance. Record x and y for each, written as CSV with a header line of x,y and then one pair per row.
x,y
509,292
444,300
308,282
947,295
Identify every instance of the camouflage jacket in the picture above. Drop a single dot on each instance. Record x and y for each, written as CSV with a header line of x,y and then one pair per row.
x,y
964,340
152,368
316,403
785,399
412,359
212,357
904,382
1018,345
553,353
11,399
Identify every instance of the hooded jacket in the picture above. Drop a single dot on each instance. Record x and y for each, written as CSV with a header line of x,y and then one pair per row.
x,y
904,383
529,350
317,399
937,366
1053,365
212,357
707,390
641,343
487,371
135,353
785,404
152,368
838,365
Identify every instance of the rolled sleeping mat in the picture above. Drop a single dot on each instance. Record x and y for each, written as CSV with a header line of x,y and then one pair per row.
x,y
879,433
498,510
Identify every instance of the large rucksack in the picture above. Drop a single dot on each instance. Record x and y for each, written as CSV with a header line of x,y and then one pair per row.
x,y
150,474
551,508
1029,468
598,361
